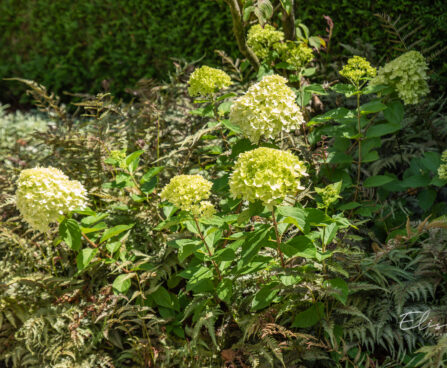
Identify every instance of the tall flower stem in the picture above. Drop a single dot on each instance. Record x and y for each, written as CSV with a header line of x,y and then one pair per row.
x,y
278,239
216,267
359,161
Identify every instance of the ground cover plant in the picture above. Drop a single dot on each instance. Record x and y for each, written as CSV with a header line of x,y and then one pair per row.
x,y
242,216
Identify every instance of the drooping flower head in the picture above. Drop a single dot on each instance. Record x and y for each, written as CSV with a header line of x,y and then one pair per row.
x,y
189,193
296,54
407,74
205,81
262,39
266,174
358,69
266,109
442,170
44,194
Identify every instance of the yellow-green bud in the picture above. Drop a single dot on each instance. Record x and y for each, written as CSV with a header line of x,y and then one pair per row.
x,y
206,81
44,194
266,174
262,39
358,69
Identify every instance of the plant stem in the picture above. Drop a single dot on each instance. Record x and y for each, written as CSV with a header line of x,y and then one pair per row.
x,y
208,249
278,239
359,161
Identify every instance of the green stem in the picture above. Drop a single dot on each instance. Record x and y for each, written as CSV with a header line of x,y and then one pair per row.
x,y
208,249
359,161
278,239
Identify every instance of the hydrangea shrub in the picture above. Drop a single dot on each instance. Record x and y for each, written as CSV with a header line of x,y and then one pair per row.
x,y
407,74
266,109
44,194
266,174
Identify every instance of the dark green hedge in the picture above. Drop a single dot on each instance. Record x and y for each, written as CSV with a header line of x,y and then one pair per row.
x,y
76,44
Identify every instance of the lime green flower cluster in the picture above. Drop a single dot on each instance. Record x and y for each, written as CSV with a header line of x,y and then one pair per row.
x,y
266,109
358,69
262,40
442,170
407,74
117,157
44,194
329,194
296,54
205,81
189,193
266,174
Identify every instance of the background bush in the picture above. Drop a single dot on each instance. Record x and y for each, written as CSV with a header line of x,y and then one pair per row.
x,y
89,45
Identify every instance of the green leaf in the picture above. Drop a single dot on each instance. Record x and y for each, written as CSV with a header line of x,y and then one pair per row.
x,y
114,231
347,89
328,233
254,208
308,72
394,113
149,186
225,290
163,298
382,129
252,244
310,316
265,296
113,247
294,215
201,280
426,198
349,206
372,107
84,257
233,127
416,181
299,246
226,254
133,159
151,173
122,283
90,220
315,89
377,181
70,233
341,289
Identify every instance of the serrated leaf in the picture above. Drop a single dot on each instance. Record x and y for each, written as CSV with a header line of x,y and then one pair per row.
x,y
310,316
377,181
84,257
70,233
114,231
122,283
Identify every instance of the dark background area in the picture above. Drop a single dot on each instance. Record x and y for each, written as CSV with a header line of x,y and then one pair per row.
x,y
75,45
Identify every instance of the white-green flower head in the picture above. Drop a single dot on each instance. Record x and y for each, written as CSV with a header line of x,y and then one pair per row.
x,y
206,81
266,109
442,170
358,69
189,193
407,74
266,174
44,194
263,39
